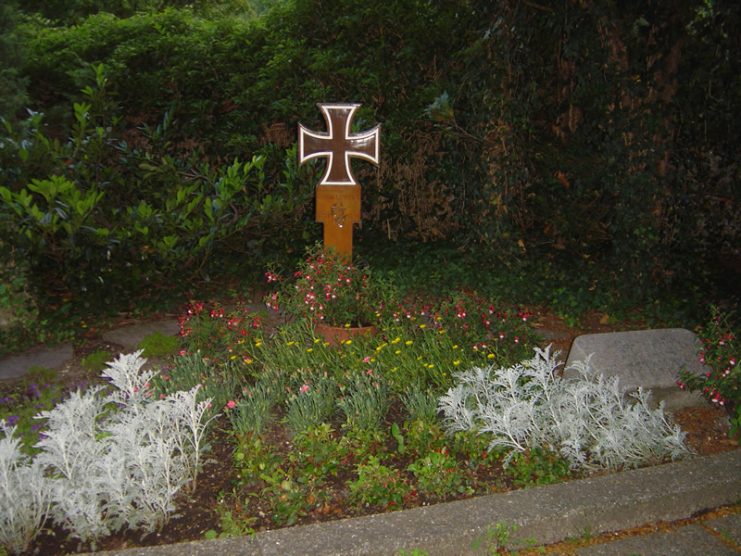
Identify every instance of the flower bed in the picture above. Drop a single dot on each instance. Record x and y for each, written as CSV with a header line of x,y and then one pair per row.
x,y
310,431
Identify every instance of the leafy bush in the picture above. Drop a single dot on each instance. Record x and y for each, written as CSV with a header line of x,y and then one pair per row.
x,y
720,351
25,494
68,208
378,485
437,474
114,461
538,466
587,420
331,290
19,312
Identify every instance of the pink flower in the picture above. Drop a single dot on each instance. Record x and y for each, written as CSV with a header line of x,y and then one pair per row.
x,y
231,404
366,359
304,388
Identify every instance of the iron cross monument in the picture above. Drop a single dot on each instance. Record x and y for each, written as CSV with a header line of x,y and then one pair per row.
x,y
338,194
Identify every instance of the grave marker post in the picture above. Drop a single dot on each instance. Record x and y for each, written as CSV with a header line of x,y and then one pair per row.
x,y
338,194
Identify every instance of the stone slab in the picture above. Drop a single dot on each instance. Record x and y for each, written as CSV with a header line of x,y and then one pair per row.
x,y
691,540
728,527
130,336
55,357
651,359
541,515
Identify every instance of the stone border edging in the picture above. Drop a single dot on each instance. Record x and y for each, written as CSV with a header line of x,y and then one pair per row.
x,y
541,515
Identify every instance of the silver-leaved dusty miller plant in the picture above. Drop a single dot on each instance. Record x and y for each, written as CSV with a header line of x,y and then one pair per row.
x,y
107,460
587,419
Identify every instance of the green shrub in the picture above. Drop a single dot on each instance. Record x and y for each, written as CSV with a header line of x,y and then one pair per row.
x,y
19,313
438,475
721,385
378,485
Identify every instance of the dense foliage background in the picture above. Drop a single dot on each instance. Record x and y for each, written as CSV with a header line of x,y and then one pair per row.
x,y
149,139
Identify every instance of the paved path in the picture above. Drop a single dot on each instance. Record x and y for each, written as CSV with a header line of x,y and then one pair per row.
x,y
57,357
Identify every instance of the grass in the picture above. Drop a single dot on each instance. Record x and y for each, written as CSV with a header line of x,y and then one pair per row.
x,y
158,344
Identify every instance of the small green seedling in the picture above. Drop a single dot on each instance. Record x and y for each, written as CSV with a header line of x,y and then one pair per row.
x,y
495,538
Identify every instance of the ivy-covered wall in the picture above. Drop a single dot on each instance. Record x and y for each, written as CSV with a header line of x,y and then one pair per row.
x,y
594,131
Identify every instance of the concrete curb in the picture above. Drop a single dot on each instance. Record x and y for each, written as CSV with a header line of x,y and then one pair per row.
x,y
540,515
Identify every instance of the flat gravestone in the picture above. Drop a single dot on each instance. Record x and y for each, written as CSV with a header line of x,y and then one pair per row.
x,y
130,336
651,359
55,357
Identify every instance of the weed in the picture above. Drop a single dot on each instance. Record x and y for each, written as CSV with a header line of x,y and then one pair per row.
x,y
96,361
378,485
495,539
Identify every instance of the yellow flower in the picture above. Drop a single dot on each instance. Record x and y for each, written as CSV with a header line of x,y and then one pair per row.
x,y
309,350
441,331
423,325
394,369
379,348
348,342
396,340
317,340
455,346
456,362
490,356
397,352
290,343
430,365
408,343
232,357
258,343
